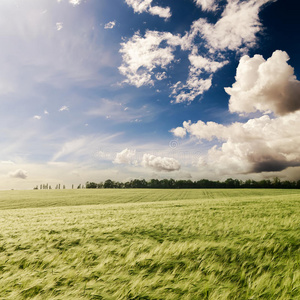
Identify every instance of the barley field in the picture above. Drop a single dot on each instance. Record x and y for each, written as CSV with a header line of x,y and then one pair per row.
x,y
150,244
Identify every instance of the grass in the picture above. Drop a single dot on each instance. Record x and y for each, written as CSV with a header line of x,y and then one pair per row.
x,y
150,244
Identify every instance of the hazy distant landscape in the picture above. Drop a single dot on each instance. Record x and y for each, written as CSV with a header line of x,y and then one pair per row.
x,y
150,244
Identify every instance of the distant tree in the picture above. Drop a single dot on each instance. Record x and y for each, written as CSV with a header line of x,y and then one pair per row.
x,y
164,184
154,183
203,183
276,182
180,184
127,185
265,183
108,184
91,185
287,184
172,183
229,183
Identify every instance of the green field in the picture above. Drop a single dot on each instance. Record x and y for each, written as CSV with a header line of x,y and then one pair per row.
x,y
150,244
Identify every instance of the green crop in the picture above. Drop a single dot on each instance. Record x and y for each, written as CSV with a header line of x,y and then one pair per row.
x,y
150,244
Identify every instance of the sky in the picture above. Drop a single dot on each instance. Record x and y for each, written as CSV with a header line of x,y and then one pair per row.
x,y
190,89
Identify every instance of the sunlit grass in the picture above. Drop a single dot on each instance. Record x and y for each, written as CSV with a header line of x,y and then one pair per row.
x,y
150,244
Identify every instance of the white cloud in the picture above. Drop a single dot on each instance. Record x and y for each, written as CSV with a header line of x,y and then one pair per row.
x,y
179,132
226,34
64,108
125,157
265,85
141,55
46,112
75,2
110,25
19,174
160,11
201,64
160,164
193,87
161,75
37,117
259,145
202,130
196,85
209,5
59,26
140,6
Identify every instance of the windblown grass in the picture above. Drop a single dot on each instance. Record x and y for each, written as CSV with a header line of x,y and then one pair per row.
x,y
150,244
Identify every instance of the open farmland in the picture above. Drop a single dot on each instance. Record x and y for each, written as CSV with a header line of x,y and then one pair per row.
x,y
150,244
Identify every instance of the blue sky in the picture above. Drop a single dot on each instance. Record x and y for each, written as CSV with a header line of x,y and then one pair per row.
x,y
124,89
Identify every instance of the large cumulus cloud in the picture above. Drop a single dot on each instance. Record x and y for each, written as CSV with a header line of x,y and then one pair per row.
x,y
268,143
265,85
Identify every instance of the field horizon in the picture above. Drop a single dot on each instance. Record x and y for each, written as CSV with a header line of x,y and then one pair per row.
x,y
150,244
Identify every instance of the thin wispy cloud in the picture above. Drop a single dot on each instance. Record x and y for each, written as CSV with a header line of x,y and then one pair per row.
x,y
64,108
120,113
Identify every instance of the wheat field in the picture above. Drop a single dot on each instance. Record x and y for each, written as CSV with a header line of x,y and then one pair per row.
x,y
150,244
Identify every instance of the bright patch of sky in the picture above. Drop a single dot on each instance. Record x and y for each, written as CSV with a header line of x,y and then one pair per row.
x,y
92,90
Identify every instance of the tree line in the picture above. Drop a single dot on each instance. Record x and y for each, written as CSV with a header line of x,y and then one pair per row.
x,y
189,184
57,187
